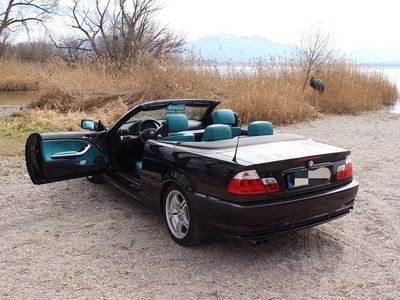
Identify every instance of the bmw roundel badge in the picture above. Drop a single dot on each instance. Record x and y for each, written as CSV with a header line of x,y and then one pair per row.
x,y
310,164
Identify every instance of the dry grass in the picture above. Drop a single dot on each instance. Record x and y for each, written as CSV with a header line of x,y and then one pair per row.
x,y
273,92
69,93
19,76
255,92
352,89
15,129
100,88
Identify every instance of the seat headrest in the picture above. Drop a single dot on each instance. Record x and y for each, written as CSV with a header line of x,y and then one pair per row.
x,y
224,116
217,132
260,128
177,122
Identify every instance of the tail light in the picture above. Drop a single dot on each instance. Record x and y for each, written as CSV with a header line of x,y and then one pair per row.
x,y
346,170
249,183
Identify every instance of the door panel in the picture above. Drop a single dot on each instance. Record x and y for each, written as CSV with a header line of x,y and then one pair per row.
x,y
54,159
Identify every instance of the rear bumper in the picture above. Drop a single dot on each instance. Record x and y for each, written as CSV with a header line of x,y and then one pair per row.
x,y
258,220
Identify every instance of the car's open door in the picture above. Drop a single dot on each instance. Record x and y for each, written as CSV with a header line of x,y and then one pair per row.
x,y
59,156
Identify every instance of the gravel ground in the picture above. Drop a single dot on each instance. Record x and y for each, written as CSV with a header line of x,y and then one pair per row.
x,y
7,109
77,240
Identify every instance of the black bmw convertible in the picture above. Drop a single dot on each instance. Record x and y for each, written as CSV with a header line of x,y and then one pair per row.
x,y
202,170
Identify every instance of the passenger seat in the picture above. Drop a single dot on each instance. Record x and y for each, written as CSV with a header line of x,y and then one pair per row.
x,y
177,123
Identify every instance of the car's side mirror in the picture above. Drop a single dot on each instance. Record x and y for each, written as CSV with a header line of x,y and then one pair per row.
x,y
89,125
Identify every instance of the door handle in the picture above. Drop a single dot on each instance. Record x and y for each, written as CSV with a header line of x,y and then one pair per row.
x,y
88,136
71,154
125,138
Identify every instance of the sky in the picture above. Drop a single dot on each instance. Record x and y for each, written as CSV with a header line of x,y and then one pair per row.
x,y
352,24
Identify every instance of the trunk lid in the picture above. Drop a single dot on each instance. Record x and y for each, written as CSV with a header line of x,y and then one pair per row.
x,y
281,149
297,163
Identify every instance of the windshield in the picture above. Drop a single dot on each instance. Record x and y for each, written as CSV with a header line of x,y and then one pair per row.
x,y
192,112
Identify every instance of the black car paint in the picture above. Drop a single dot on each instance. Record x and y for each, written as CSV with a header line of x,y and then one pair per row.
x,y
205,174
279,215
211,172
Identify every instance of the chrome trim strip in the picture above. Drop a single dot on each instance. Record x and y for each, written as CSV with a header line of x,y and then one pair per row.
x,y
71,155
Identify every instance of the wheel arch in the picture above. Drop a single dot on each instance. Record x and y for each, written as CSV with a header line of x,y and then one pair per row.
x,y
174,177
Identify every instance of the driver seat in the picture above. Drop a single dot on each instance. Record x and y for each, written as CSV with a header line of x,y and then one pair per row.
x,y
176,124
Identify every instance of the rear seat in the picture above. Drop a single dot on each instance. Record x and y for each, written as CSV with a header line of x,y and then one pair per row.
x,y
226,117
260,128
217,132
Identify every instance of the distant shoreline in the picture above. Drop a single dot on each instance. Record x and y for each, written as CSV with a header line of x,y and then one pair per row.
x,y
382,65
277,63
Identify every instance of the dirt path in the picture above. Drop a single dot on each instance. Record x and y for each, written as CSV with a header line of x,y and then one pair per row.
x,y
77,240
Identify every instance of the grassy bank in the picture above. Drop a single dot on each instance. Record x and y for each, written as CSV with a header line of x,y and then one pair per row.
x,y
15,129
102,90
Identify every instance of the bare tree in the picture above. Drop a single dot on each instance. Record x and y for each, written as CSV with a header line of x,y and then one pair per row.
x,y
4,45
37,51
315,51
19,13
71,49
121,29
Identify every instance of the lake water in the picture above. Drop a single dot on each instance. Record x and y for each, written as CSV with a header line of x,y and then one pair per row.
x,y
15,97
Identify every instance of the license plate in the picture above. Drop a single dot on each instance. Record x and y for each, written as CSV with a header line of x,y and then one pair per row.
x,y
303,178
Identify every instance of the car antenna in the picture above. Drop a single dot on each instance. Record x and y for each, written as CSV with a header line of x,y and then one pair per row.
x,y
236,149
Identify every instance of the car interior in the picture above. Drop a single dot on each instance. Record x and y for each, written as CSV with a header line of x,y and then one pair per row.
x,y
178,124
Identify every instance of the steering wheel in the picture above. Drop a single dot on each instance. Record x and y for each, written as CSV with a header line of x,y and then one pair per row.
x,y
148,133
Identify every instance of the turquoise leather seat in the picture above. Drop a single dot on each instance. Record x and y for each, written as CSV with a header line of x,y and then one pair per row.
x,y
177,123
181,137
227,117
217,132
138,166
260,128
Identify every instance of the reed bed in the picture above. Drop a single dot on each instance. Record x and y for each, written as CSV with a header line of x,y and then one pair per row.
x,y
351,89
259,91
18,76
104,91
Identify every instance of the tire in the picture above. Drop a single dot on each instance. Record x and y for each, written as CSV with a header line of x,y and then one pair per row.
x,y
180,217
96,179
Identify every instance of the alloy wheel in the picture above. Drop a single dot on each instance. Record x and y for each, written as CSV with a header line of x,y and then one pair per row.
x,y
177,214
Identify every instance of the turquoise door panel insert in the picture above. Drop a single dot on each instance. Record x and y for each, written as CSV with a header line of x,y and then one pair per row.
x,y
75,152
